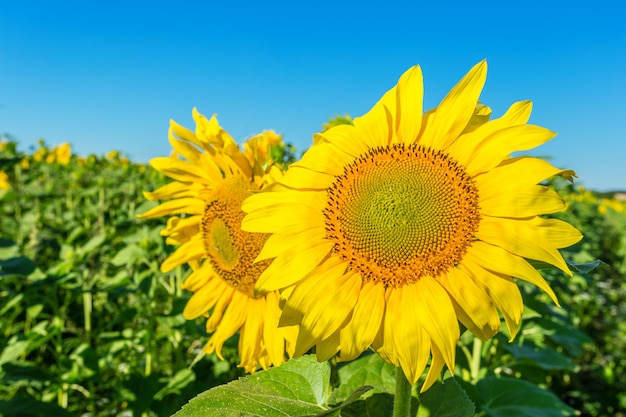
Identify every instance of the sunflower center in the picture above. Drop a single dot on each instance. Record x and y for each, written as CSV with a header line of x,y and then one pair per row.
x,y
230,250
398,213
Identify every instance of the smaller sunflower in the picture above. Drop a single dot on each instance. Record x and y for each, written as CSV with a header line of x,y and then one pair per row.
x,y
212,176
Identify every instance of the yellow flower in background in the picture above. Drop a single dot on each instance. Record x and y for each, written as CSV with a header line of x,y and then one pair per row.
x,y
4,181
258,148
212,176
393,229
63,153
111,155
24,163
40,154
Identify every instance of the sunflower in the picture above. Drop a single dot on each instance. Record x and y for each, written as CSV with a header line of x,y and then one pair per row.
x,y
212,177
392,230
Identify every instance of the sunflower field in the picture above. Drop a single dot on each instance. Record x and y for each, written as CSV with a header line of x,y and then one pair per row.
x,y
91,326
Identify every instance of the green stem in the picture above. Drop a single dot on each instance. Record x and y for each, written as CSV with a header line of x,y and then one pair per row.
x,y
476,358
402,400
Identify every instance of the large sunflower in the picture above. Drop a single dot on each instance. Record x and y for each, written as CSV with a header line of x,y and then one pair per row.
x,y
212,177
391,230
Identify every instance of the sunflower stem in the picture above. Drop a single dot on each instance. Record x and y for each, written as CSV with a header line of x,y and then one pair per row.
x,y
402,400
476,358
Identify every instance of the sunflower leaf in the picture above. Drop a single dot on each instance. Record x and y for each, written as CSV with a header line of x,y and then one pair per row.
x,y
445,400
299,387
509,397
369,370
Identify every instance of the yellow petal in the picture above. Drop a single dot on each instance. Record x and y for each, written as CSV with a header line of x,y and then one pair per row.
x,y
199,278
292,265
178,206
499,145
233,319
436,314
187,150
408,116
410,343
324,158
365,323
346,139
436,365
279,217
499,260
503,291
325,300
180,170
526,170
272,336
559,233
455,110
327,348
375,128
204,298
251,334
278,243
280,195
304,178
464,147
217,313
194,249
519,200
183,133
477,311
520,237
174,189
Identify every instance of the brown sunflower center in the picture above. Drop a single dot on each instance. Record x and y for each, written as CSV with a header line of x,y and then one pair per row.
x,y
230,250
398,213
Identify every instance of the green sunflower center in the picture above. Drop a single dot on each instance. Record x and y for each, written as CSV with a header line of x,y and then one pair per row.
x,y
401,212
230,250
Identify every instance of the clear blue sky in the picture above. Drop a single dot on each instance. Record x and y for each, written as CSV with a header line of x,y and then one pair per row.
x,y
110,75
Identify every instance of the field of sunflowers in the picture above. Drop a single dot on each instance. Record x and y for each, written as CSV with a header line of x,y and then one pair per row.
x,y
90,325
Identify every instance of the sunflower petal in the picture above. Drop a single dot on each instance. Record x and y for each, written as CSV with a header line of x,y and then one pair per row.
x,y
520,200
408,116
521,237
503,291
292,265
499,260
365,323
436,314
410,343
455,110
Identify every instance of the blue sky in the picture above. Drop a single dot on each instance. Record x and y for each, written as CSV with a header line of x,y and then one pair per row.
x,y
110,75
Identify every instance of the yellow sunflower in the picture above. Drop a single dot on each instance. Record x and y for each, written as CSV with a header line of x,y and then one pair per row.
x,y
393,229
212,177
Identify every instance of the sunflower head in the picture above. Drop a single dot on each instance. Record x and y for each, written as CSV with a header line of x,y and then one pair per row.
x,y
211,178
393,229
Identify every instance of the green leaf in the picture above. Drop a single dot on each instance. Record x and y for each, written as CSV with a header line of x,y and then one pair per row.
x,y
19,265
92,244
299,387
544,358
177,383
369,370
445,400
31,407
586,267
377,405
127,256
13,350
24,371
508,397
